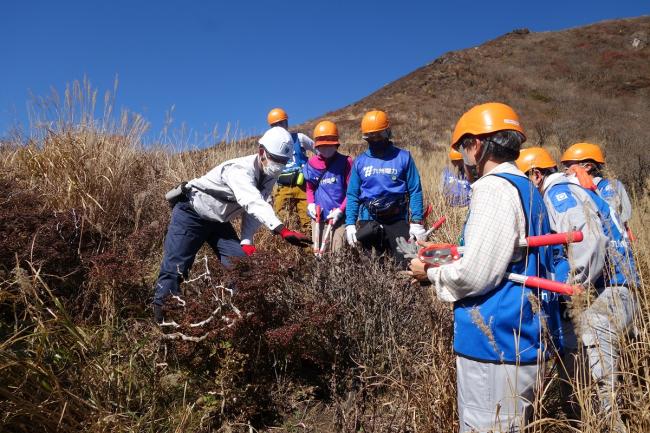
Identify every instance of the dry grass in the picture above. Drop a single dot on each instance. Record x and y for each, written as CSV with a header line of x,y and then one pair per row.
x,y
340,345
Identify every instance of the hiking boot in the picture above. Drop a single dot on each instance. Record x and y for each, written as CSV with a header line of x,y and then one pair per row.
x,y
158,313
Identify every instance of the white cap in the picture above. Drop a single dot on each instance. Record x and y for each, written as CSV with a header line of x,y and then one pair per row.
x,y
278,142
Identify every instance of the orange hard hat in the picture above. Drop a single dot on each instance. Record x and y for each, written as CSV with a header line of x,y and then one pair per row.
x,y
583,152
276,115
485,119
374,121
534,157
455,155
326,132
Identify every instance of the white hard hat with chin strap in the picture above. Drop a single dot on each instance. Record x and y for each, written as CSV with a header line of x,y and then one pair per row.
x,y
278,144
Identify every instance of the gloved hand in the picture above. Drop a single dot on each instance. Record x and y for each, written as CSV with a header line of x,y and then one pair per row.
x,y
249,250
417,232
351,234
335,215
294,238
311,210
408,249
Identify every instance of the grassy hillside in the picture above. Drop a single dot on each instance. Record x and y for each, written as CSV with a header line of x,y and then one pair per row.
x,y
587,83
339,344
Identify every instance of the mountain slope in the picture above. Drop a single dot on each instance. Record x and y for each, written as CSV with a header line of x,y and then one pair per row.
x,y
587,83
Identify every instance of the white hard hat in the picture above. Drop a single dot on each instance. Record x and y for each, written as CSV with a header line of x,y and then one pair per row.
x,y
278,143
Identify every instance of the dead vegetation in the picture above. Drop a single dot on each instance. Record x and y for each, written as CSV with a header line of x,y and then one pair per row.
x,y
282,342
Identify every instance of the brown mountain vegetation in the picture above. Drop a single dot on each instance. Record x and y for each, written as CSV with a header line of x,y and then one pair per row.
x,y
582,84
343,343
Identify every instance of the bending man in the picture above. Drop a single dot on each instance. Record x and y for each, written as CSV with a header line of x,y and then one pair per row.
x,y
205,206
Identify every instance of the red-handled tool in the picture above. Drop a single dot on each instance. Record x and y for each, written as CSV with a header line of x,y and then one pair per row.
x,y
440,250
552,239
435,226
327,234
544,284
442,254
630,235
427,212
317,238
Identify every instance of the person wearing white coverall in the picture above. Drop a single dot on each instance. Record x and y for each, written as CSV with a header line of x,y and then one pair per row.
x,y
590,156
602,324
203,209
500,327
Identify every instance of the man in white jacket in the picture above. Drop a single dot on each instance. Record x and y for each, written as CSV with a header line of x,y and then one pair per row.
x,y
205,206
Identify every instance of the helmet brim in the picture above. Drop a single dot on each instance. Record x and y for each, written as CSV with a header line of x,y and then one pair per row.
x,y
325,142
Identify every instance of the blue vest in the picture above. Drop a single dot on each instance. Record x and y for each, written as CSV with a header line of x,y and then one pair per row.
x,y
515,324
331,182
620,268
299,157
607,189
384,176
455,188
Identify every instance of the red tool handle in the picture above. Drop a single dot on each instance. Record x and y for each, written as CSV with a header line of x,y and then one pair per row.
x,y
544,284
438,223
318,210
427,212
554,239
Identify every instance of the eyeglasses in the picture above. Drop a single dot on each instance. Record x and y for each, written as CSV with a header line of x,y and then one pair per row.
x,y
276,159
376,136
568,164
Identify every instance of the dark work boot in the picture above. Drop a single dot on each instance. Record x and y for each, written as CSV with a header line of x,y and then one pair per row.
x,y
157,313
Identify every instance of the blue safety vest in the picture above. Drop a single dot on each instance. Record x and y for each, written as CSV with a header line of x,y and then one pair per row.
x,y
456,188
330,183
382,177
606,189
503,325
620,268
299,157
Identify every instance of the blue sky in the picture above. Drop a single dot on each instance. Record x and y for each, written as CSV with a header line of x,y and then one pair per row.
x,y
231,61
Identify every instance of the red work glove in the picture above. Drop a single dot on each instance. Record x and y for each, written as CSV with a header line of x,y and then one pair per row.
x,y
294,238
249,250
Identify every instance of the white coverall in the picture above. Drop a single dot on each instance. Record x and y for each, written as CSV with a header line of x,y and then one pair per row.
x,y
602,323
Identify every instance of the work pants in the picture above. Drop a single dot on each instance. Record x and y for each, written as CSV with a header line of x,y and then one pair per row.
x,y
288,198
186,234
382,237
495,397
598,334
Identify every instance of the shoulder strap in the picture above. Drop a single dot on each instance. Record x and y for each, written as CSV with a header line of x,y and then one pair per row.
x,y
509,178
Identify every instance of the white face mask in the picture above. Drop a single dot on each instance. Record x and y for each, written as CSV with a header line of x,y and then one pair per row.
x,y
327,151
272,169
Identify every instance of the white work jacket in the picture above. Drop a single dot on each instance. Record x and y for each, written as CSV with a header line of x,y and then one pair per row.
x,y
233,188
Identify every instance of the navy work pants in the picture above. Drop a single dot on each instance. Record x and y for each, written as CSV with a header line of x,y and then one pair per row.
x,y
186,234
382,237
